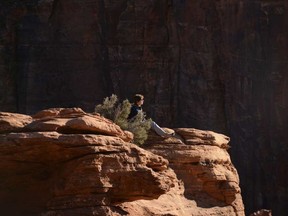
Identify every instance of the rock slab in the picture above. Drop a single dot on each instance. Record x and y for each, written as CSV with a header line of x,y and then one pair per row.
x,y
65,162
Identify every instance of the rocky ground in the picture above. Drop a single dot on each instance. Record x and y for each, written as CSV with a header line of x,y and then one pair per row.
x,y
67,162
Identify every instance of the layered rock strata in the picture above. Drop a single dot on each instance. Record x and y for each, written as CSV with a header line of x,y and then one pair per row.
x,y
66,162
200,159
217,65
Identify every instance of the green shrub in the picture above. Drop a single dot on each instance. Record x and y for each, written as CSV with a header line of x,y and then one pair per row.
x,y
107,108
119,112
139,126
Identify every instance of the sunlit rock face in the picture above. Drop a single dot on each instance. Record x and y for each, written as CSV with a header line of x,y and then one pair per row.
x,y
200,159
64,161
214,65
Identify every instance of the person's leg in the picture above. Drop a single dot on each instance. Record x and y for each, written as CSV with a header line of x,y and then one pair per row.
x,y
159,130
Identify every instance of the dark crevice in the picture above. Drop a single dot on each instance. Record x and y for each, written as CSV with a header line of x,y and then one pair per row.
x,y
54,6
67,130
90,154
106,75
114,208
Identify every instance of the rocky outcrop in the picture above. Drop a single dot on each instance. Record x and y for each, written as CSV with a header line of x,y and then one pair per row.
x,y
217,65
13,122
200,159
67,162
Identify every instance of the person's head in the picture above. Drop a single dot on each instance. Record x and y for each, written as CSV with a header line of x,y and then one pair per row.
x,y
138,99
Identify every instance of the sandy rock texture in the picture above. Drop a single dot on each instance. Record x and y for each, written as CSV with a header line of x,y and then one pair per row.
x,y
214,65
66,162
200,159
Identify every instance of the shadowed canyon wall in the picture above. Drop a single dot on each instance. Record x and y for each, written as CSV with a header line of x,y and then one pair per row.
x,y
217,65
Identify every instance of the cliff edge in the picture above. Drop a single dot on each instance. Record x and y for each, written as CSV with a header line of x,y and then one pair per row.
x,y
66,162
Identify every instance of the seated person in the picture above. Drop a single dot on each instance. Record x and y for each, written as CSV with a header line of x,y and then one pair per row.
x,y
137,106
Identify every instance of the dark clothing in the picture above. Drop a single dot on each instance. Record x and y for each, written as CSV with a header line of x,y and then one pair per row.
x,y
134,111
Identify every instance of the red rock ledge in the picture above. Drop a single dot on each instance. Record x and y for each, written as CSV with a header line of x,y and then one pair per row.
x,y
65,162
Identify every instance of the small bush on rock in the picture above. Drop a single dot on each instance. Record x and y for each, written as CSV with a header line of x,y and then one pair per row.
x,y
107,108
119,112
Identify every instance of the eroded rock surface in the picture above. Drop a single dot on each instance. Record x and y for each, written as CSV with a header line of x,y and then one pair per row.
x,y
215,65
200,159
50,166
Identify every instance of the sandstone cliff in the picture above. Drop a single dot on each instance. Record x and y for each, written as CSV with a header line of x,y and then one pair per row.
x,y
67,162
215,65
